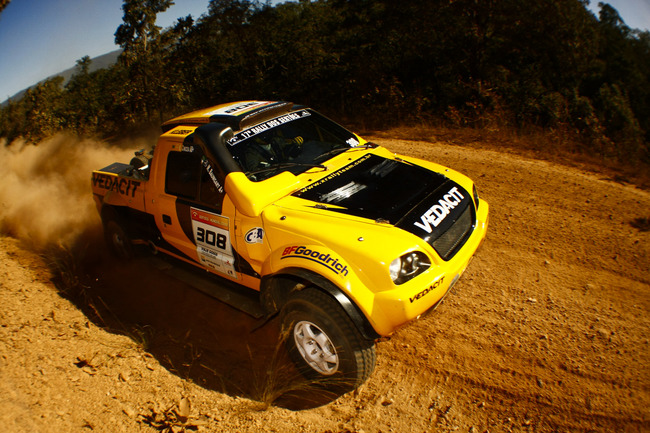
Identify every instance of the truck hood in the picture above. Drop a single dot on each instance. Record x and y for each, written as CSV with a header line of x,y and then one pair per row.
x,y
396,192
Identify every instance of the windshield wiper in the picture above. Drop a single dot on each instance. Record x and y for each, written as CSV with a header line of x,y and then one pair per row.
x,y
333,152
285,165
337,150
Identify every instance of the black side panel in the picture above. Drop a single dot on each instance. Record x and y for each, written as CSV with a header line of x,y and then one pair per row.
x,y
185,218
214,137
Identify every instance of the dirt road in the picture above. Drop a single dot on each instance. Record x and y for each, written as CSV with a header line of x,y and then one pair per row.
x,y
547,331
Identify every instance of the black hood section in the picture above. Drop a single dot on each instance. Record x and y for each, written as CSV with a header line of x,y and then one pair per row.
x,y
420,201
444,219
375,188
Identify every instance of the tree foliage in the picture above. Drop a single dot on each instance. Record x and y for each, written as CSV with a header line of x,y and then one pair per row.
x,y
518,63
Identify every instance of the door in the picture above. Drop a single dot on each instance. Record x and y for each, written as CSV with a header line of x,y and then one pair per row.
x,y
190,213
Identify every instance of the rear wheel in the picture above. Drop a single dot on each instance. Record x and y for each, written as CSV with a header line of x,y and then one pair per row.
x,y
324,343
118,240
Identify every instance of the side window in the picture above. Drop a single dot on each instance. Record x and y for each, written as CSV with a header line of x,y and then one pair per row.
x,y
211,193
182,175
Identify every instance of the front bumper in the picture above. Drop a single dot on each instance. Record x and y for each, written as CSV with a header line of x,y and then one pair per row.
x,y
410,300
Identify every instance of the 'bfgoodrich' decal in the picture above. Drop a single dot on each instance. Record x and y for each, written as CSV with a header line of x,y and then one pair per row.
x,y
301,252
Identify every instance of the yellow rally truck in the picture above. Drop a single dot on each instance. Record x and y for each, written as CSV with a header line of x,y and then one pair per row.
x,y
344,239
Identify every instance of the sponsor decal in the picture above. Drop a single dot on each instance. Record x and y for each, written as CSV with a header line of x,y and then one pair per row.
x,y
325,259
439,211
426,291
239,107
254,236
232,109
353,142
335,174
342,193
264,107
122,186
187,149
212,237
262,127
210,170
181,131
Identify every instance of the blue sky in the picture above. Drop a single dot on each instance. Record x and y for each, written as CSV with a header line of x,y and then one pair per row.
x,y
39,38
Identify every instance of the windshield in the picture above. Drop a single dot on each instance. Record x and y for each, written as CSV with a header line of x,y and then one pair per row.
x,y
292,142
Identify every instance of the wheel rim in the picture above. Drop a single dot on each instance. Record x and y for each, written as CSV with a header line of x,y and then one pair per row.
x,y
316,348
118,242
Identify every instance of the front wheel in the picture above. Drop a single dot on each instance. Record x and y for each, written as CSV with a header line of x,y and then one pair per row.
x,y
324,343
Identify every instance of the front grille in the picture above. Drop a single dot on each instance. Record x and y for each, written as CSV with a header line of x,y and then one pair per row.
x,y
450,241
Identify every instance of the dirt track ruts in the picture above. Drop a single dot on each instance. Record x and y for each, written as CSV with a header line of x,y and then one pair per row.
x,y
547,331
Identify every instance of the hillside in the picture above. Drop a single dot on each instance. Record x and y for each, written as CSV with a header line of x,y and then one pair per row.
x,y
99,62
547,331
524,66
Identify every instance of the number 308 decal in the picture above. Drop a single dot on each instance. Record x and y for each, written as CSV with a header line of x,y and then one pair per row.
x,y
212,237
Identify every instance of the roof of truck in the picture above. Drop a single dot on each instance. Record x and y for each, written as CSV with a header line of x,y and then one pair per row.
x,y
237,115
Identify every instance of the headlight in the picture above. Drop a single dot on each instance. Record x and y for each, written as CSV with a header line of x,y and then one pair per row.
x,y
410,265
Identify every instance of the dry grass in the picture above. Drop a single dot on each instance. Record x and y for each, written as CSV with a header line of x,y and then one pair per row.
x,y
555,146
280,382
67,270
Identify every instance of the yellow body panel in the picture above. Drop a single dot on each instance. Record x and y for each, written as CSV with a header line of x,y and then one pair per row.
x,y
361,247
251,198
117,190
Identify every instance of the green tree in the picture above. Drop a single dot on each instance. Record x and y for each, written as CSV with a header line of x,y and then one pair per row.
x,y
44,109
138,36
12,120
82,99
139,26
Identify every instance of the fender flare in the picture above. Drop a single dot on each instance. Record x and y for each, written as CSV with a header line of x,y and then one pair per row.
x,y
275,290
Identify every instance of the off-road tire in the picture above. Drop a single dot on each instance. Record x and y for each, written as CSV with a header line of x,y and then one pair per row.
x,y
118,241
316,311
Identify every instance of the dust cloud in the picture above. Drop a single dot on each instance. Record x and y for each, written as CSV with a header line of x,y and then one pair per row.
x,y
45,193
